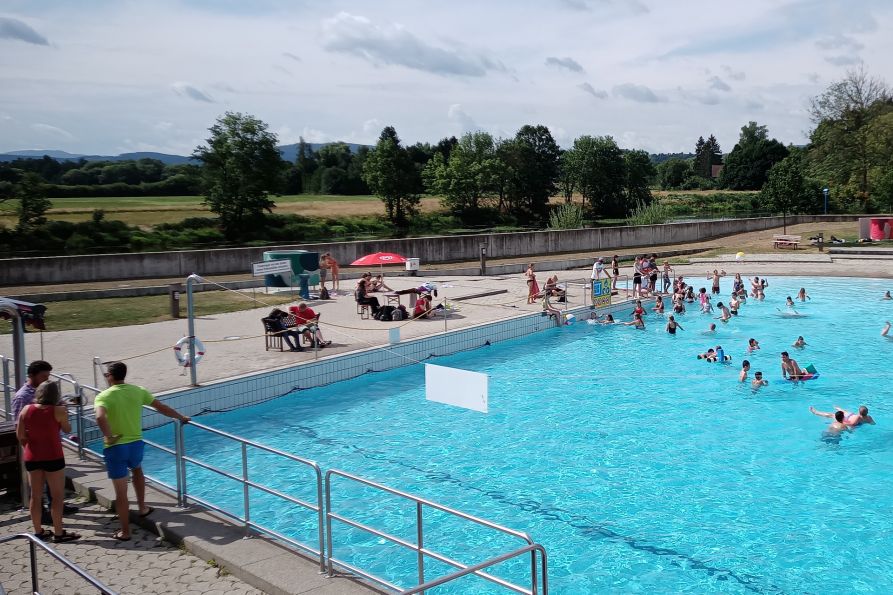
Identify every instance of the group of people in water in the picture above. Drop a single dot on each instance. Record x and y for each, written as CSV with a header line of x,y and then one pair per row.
x,y
683,293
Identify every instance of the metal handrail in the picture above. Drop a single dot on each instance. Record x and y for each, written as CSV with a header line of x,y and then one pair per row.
x,y
35,585
418,546
247,483
486,564
8,389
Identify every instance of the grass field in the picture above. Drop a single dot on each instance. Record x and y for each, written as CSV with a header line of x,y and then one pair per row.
x,y
152,210
105,313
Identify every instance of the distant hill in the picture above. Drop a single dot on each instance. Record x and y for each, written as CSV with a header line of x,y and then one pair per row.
x,y
658,158
289,153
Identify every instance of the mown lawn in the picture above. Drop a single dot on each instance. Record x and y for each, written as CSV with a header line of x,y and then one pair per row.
x,y
105,313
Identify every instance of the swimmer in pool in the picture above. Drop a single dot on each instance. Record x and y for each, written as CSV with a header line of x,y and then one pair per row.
x,y
636,322
720,354
789,368
609,319
790,303
886,330
853,420
758,381
801,295
745,368
734,304
710,355
710,330
835,428
752,345
800,343
887,296
672,325
658,305
724,313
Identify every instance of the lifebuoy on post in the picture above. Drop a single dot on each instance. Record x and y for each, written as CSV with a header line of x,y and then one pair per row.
x,y
181,351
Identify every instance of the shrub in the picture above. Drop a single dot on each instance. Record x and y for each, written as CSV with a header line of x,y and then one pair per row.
x,y
566,216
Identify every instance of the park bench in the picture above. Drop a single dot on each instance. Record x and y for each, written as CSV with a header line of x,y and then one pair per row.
x,y
785,241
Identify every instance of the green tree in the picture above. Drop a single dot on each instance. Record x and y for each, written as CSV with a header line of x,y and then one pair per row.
x,y
747,166
567,174
672,173
601,175
788,190
640,174
853,136
241,167
707,154
467,179
536,171
305,164
33,202
388,171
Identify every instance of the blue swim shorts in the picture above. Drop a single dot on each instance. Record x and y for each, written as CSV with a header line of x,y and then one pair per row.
x,y
121,457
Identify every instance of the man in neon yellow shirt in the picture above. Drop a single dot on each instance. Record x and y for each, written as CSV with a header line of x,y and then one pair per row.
x,y
119,415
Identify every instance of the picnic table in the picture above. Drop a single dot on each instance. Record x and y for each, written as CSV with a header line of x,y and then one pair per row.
x,y
786,241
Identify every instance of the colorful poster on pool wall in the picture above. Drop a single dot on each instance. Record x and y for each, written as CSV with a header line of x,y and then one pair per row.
x,y
601,293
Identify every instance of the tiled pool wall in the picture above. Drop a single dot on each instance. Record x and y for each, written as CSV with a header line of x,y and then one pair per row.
x,y
258,387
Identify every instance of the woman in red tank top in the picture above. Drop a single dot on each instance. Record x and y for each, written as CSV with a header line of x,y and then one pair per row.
x,y
38,430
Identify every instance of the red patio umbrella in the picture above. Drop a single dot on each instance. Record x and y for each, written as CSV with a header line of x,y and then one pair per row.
x,y
379,258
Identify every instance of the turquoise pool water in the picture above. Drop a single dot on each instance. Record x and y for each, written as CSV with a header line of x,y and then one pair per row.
x,y
640,468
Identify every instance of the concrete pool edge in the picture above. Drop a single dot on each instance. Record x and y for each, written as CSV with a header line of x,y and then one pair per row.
x,y
257,387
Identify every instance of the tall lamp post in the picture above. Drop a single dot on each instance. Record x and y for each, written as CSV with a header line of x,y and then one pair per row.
x,y
825,192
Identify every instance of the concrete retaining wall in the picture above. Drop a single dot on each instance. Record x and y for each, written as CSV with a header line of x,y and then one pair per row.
x,y
147,265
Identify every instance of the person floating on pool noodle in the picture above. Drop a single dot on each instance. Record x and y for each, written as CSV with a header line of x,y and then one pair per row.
x,y
800,343
790,370
853,420
721,355
745,368
758,381
709,355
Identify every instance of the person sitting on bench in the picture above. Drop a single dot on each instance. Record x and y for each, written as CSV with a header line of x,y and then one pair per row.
x,y
306,317
290,335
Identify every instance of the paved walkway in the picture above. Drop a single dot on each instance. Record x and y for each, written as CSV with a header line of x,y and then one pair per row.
x,y
141,566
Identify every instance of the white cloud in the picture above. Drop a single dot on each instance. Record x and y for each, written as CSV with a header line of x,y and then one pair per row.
x,y
20,31
292,56
589,89
639,93
842,60
461,120
394,45
372,125
55,131
717,83
192,92
565,63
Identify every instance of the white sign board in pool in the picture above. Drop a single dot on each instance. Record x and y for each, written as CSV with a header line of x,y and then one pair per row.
x,y
270,267
456,387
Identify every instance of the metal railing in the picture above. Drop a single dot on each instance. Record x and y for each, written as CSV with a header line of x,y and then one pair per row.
x,y
246,482
9,387
486,564
323,550
419,545
34,543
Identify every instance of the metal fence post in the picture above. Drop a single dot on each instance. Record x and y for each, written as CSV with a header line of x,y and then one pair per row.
x,y
81,434
7,392
35,587
331,572
180,449
420,535
245,502
97,363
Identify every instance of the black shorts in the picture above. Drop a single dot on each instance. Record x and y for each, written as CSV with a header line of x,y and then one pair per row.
x,y
637,278
47,466
715,289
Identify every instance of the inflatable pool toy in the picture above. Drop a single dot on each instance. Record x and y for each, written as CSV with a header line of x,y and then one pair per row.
x,y
570,319
739,256
811,374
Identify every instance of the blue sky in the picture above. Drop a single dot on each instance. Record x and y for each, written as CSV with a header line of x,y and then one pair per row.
x,y
108,77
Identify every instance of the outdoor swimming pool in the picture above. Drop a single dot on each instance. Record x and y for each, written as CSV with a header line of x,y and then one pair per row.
x,y
638,467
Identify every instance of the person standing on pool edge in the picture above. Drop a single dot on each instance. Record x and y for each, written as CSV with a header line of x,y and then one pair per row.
x,y
119,415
